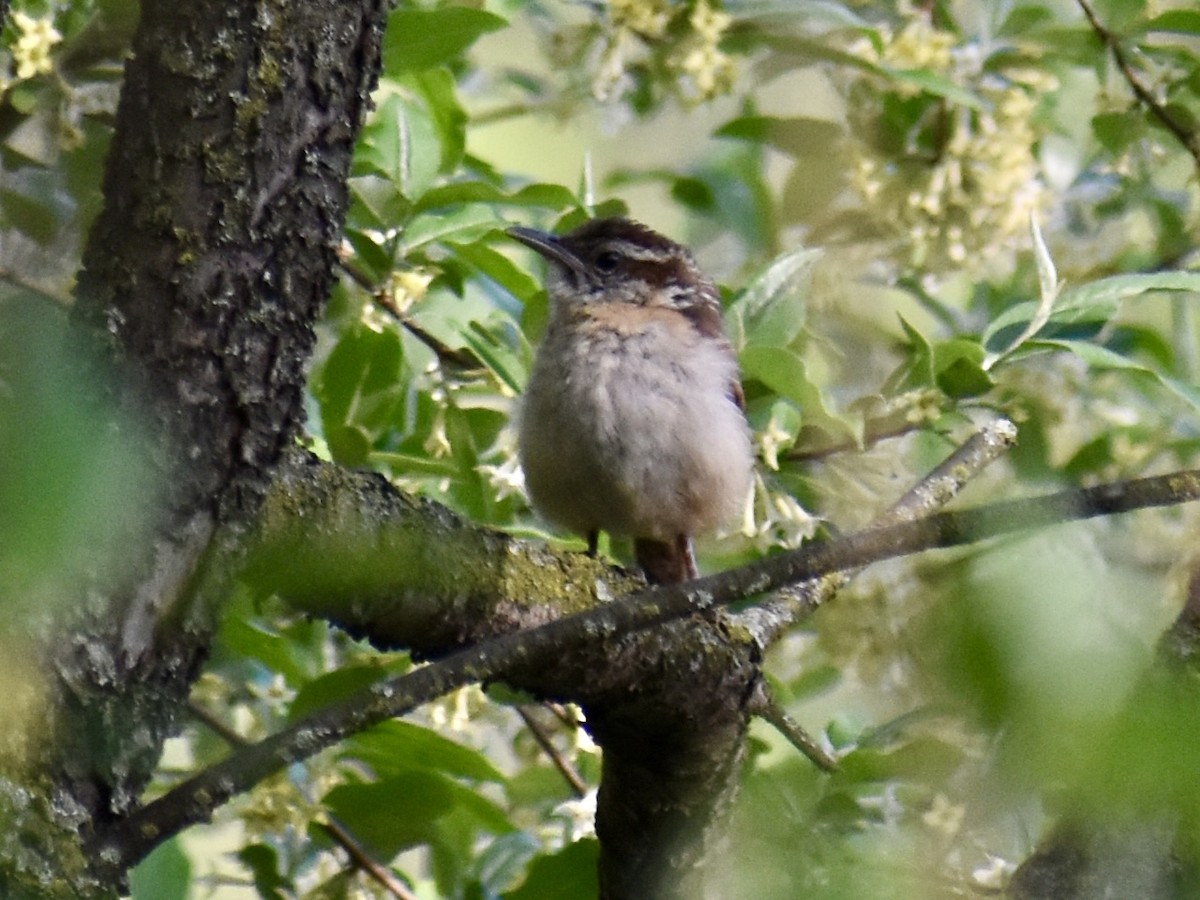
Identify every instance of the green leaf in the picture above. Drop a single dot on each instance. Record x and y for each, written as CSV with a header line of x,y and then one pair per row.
x,y
439,90
359,385
163,875
550,196
464,224
917,370
923,758
1082,311
1124,287
497,355
392,815
1103,358
1116,131
958,367
504,860
332,687
783,371
771,310
422,38
395,746
403,811
937,85
1174,21
35,217
277,652
348,444
1024,18
815,681
263,863
369,254
401,144
571,872
798,136
694,193
499,268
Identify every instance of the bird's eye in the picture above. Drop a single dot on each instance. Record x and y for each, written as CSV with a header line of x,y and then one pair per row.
x,y
607,261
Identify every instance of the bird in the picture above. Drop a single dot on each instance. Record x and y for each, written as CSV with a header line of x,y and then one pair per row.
x,y
633,419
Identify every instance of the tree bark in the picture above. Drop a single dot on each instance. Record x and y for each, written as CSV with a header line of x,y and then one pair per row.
x,y
225,192
669,706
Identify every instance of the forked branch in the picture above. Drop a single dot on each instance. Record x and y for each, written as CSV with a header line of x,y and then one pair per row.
x,y
194,800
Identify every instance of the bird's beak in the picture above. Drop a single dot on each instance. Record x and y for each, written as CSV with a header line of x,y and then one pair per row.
x,y
549,246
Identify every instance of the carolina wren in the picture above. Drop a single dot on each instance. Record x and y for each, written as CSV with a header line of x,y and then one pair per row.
x,y
632,422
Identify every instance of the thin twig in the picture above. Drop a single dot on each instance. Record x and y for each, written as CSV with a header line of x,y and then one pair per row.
x,y
363,860
1189,139
573,778
876,432
770,620
447,355
766,706
130,839
335,829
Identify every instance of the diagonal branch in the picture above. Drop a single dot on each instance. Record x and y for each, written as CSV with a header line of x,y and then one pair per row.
x,y
1188,138
339,833
771,620
512,654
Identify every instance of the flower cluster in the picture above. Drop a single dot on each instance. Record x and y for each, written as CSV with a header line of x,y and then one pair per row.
x,y
680,41
956,173
774,519
31,50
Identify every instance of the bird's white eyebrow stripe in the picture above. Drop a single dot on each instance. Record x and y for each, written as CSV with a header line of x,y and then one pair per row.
x,y
630,250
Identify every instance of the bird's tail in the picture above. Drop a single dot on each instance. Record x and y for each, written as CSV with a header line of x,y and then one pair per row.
x,y
666,562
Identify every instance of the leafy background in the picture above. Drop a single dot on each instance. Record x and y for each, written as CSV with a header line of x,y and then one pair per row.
x,y
923,215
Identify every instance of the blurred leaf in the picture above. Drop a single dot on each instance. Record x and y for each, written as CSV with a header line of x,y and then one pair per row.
x,y
402,811
422,38
1081,311
1176,21
277,652
1023,17
815,681
439,89
550,196
359,389
1116,130
938,85
925,759
35,217
74,487
392,815
506,364
917,371
263,863
1124,287
165,874
504,860
571,872
1103,358
370,254
331,687
395,746
798,136
499,268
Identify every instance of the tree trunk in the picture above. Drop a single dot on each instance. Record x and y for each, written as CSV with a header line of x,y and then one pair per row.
x,y
225,193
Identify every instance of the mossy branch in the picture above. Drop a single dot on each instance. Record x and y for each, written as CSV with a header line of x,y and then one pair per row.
x,y
519,652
